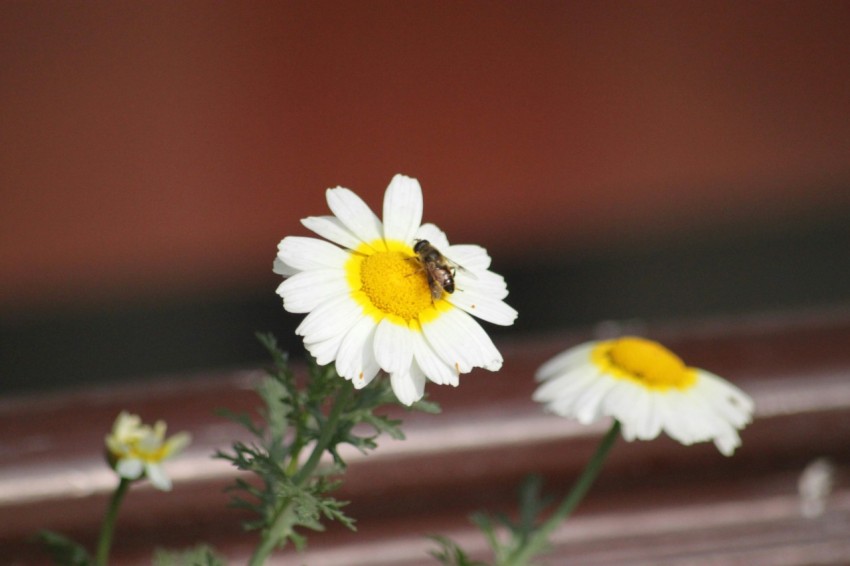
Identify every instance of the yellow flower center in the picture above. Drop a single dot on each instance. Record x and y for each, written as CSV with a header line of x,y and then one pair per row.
x,y
149,449
388,281
146,454
645,362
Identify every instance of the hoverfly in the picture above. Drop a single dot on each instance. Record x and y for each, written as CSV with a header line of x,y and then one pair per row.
x,y
438,269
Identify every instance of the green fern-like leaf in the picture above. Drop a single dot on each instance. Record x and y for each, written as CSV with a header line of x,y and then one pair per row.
x,y
298,422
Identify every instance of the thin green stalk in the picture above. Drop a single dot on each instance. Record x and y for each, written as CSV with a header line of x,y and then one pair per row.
x,y
284,516
328,432
292,467
295,456
538,540
105,541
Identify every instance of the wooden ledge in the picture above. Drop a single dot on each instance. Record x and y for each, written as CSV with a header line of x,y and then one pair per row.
x,y
656,502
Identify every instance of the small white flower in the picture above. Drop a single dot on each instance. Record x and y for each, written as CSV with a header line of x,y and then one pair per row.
x,y
369,301
648,389
815,487
136,450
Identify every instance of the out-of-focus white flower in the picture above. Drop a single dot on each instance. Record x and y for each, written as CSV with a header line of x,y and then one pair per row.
x,y
815,486
136,450
373,303
648,389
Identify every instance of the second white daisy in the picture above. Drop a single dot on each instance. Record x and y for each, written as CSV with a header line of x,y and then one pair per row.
x,y
372,303
648,389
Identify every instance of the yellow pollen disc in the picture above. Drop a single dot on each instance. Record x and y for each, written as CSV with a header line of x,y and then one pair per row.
x,y
645,362
146,455
387,279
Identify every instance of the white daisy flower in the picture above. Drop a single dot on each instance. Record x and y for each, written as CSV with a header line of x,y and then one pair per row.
x,y
136,450
373,305
648,389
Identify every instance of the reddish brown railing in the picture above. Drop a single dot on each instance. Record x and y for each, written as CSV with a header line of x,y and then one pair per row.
x,y
655,502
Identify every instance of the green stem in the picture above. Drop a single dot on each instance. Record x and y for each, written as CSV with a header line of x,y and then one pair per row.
x,y
538,540
108,527
292,467
282,520
295,456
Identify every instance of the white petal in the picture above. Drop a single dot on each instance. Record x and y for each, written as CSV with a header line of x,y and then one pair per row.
x,y
355,360
367,378
461,342
483,307
713,413
332,229
311,253
727,443
393,346
644,421
561,392
687,425
434,235
325,351
580,380
129,468
354,214
568,359
432,366
589,404
722,406
468,256
738,401
408,386
331,318
482,282
158,477
709,421
558,387
150,442
176,444
305,291
282,268
402,209
668,413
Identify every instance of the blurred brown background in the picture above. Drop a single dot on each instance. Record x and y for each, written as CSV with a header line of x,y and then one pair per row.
x,y
619,160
